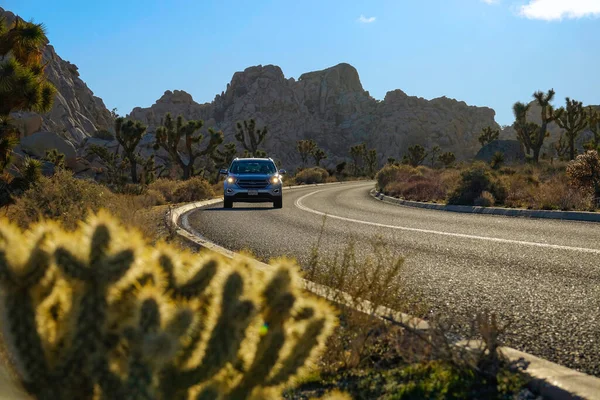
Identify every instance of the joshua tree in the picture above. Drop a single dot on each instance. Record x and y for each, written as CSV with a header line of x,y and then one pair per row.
x,y
319,155
531,134
488,134
251,137
358,154
548,115
497,160
223,158
391,160
573,120
593,124
128,134
305,148
371,161
447,158
561,147
416,155
526,131
56,158
23,84
172,132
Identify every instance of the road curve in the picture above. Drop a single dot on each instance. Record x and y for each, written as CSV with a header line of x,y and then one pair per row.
x,y
543,275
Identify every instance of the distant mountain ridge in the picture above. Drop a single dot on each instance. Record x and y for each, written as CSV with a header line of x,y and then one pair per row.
x,y
331,107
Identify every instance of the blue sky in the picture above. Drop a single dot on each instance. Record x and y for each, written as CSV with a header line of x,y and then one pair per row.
x,y
484,52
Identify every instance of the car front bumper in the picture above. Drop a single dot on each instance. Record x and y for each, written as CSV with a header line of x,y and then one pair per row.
x,y
267,194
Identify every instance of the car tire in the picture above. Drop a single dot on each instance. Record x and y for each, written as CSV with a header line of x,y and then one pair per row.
x,y
227,203
278,203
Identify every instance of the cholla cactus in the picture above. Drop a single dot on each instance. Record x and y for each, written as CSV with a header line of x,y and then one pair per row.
x,y
99,314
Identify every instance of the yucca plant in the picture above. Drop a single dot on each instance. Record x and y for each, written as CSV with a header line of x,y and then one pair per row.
x,y
129,133
97,313
171,132
23,84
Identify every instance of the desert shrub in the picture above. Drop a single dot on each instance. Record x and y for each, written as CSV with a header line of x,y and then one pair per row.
x,y
584,172
486,199
474,181
519,190
100,313
193,189
557,194
166,187
153,198
394,173
61,197
312,175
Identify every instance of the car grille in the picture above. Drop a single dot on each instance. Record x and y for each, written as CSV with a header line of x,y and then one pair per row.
x,y
252,183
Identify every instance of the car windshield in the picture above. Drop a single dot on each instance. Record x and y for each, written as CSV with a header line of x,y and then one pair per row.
x,y
253,167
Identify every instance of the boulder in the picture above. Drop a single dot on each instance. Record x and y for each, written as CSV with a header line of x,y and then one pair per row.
x,y
27,122
37,144
512,150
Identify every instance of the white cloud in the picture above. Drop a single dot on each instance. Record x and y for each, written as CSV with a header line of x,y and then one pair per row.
x,y
364,20
550,10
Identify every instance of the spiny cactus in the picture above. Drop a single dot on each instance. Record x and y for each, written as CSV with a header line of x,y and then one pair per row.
x,y
99,314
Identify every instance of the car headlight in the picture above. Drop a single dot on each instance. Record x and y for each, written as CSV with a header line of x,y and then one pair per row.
x,y
275,180
230,180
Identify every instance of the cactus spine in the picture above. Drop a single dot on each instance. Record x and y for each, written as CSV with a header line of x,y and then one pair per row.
x,y
99,314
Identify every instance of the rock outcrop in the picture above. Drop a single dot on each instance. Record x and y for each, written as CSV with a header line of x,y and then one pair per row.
x,y
512,150
76,113
331,107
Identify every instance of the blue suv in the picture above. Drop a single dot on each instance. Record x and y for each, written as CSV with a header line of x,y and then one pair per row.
x,y
252,180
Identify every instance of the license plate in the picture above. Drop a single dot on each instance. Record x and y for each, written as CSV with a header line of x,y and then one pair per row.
x,y
252,192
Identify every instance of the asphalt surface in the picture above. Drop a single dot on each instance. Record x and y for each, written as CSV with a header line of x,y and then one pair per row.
x,y
542,275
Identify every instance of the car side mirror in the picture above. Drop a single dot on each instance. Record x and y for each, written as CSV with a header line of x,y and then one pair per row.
x,y
282,172
223,172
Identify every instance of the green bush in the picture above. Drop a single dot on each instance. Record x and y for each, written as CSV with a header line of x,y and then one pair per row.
x,y
474,181
100,314
312,175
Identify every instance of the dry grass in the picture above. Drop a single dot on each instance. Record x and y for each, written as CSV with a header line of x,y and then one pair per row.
x,y
69,200
544,186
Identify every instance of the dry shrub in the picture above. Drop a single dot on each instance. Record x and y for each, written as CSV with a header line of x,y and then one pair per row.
x,y
312,175
166,187
557,194
194,189
394,173
519,190
69,200
485,200
60,197
474,181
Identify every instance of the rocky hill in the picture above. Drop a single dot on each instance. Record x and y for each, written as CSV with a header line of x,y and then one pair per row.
x,y
76,113
331,107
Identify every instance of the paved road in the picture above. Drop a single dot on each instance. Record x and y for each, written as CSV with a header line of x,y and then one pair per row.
x,y
544,275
